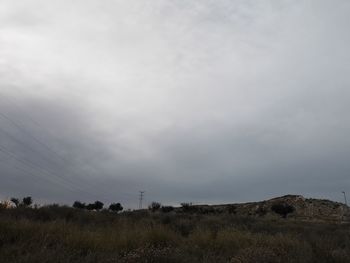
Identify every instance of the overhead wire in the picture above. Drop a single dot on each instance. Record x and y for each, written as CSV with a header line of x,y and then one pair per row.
x,y
32,166
22,129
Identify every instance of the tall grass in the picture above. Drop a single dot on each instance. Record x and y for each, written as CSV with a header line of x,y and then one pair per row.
x,y
62,234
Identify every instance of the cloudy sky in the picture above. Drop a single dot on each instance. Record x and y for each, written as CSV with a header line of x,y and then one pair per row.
x,y
207,101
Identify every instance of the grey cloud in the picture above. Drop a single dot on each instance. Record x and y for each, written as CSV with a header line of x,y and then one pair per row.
x,y
203,101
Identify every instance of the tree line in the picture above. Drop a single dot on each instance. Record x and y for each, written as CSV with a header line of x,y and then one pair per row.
x,y
97,205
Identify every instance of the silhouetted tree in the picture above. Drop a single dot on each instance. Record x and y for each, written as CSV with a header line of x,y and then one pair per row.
x,y
95,206
15,201
98,205
154,206
282,209
115,207
27,201
79,205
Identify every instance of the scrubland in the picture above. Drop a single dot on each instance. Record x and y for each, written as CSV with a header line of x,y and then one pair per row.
x,y
64,234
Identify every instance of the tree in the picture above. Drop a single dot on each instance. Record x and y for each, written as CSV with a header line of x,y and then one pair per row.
x,y
95,206
282,209
154,206
15,201
90,207
27,201
115,207
98,205
79,205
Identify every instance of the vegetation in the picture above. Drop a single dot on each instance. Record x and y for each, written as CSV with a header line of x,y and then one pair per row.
x,y
189,234
115,207
282,209
26,201
154,206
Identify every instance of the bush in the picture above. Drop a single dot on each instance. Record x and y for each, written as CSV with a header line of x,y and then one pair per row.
x,y
188,207
154,206
167,209
95,206
27,201
115,207
62,234
231,209
98,205
79,205
261,211
282,209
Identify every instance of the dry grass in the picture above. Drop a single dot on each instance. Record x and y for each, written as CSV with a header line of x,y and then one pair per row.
x,y
67,235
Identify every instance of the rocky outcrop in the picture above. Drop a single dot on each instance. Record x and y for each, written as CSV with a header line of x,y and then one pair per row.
x,y
298,206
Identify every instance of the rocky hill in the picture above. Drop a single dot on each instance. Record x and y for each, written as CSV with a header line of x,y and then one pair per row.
x,y
289,206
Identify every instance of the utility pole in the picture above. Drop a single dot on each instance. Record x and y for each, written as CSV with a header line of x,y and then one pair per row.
x,y
346,203
141,199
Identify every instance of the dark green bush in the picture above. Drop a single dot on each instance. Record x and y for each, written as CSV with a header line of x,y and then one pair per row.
x,y
282,209
115,207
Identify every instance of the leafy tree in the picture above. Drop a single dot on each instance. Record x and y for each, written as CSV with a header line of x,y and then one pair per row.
x,y
115,207
98,205
90,207
79,205
154,206
95,206
27,201
15,201
282,209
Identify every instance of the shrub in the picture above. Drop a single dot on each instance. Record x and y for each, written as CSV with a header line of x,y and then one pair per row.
x,y
167,209
79,205
95,206
154,206
231,209
261,211
187,207
98,205
282,209
115,207
27,201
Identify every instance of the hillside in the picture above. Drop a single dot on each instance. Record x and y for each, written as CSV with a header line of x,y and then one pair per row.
x,y
303,208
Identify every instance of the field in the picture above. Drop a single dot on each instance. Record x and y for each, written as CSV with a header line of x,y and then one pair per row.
x,y
64,234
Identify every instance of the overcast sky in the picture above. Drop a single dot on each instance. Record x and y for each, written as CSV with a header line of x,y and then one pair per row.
x,y
206,101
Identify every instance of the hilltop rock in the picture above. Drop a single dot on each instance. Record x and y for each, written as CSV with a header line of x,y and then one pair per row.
x,y
302,208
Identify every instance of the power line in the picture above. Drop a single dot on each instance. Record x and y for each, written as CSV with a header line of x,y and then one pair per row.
x,y
46,146
24,144
18,126
47,172
32,167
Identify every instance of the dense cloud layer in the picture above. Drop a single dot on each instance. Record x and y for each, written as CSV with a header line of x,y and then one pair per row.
x,y
203,101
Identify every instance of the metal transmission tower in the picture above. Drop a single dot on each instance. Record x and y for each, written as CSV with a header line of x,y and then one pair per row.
x,y
141,199
346,203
